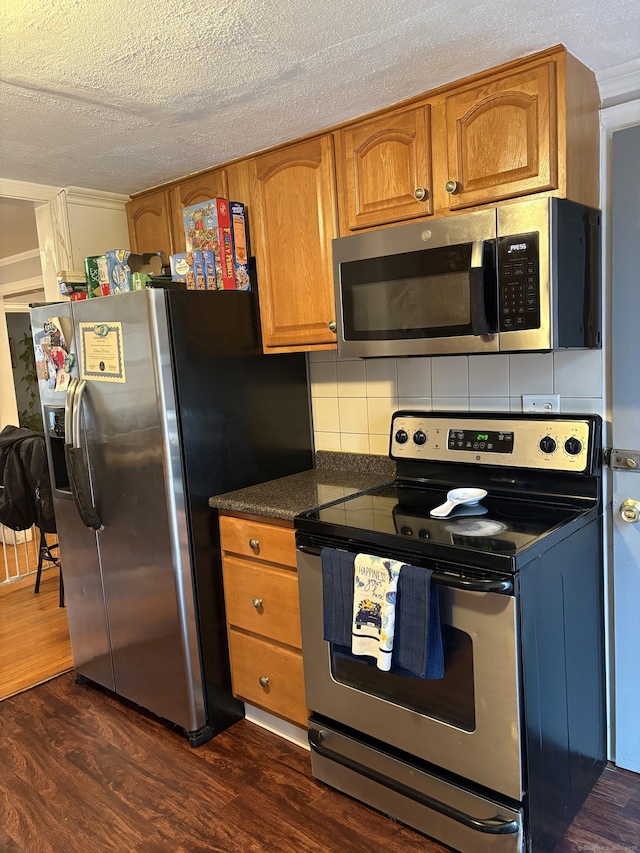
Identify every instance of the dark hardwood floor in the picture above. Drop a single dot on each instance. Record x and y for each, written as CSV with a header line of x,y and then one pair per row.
x,y
80,772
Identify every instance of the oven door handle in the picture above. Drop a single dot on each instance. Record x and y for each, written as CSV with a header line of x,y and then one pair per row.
x,y
471,585
491,826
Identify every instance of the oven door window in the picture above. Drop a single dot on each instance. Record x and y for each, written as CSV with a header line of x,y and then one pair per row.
x,y
425,294
450,699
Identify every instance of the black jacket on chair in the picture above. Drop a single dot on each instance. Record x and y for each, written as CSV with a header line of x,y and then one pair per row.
x,y
26,498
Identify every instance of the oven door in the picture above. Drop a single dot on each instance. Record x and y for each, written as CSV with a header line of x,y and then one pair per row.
x,y
467,723
418,289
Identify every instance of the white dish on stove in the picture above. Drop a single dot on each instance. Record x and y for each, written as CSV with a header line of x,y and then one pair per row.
x,y
457,497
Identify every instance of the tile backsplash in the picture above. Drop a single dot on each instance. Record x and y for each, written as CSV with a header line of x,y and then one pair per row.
x,y
353,400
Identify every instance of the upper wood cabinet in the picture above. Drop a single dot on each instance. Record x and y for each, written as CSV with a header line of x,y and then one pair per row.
x,y
149,221
501,138
527,128
202,187
294,221
531,126
384,171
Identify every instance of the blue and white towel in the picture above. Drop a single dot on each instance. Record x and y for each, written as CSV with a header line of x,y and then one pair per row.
x,y
375,581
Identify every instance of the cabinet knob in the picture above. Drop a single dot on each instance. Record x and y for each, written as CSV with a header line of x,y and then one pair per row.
x,y
257,603
254,544
420,193
332,325
264,681
452,187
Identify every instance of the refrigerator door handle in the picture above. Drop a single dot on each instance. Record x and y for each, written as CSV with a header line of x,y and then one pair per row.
x,y
77,465
68,411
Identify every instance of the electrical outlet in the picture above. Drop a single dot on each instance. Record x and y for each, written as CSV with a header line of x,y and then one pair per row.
x,y
545,403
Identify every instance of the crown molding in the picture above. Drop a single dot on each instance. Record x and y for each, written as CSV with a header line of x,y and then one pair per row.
x,y
27,191
620,80
17,288
23,256
18,307
96,198
621,116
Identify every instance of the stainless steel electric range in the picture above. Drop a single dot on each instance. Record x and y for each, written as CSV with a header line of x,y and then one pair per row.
x,y
499,754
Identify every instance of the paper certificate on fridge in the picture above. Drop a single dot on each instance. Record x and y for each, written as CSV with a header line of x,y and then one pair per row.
x,y
101,354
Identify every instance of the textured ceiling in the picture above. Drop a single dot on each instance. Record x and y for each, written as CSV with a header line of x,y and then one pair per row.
x,y
122,95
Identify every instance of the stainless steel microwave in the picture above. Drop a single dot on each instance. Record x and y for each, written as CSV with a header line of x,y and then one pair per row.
x,y
517,278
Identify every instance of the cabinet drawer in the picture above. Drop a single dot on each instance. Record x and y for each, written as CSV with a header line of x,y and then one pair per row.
x,y
262,599
262,541
253,659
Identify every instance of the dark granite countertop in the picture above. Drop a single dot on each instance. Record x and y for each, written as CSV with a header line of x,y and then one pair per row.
x,y
336,475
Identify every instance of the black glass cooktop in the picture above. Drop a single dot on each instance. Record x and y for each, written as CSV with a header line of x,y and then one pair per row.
x,y
497,525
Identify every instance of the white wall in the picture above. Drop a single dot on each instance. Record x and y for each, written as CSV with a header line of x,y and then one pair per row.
x,y
71,223
353,400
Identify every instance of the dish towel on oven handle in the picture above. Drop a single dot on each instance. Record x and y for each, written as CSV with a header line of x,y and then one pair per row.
x,y
418,650
337,595
375,580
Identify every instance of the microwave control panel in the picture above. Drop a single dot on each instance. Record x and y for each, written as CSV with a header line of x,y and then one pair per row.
x,y
518,282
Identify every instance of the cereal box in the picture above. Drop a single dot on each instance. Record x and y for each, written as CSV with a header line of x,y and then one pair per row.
x,y
208,226
185,266
179,266
209,269
198,270
240,238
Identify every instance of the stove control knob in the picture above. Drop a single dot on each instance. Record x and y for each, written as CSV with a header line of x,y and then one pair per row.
x,y
419,437
573,446
547,444
402,437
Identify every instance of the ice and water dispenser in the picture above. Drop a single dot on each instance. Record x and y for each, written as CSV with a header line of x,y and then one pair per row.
x,y
55,437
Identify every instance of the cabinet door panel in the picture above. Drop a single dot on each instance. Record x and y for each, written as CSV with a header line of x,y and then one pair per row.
x,y
502,137
149,221
297,219
202,187
383,163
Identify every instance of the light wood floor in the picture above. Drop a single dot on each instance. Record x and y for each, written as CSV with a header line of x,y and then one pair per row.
x,y
34,635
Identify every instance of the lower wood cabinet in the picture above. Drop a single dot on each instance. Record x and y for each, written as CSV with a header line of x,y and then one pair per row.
x,y
263,616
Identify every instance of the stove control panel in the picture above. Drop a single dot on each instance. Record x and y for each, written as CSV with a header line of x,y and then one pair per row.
x,y
554,443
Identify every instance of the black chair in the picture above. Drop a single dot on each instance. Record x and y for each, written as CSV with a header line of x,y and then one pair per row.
x,y
26,499
46,555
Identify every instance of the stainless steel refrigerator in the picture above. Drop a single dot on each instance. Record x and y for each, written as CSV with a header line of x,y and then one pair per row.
x,y
166,399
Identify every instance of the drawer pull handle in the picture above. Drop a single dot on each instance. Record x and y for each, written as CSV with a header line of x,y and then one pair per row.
x,y
264,681
257,603
254,544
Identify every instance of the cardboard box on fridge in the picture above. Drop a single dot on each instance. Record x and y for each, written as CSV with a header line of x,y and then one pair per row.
x,y
207,226
240,237
209,269
121,263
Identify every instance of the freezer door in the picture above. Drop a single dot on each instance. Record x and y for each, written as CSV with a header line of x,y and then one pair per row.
x,y
129,421
88,629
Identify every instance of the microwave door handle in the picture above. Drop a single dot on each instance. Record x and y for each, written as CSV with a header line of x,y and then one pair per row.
x,y
479,322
